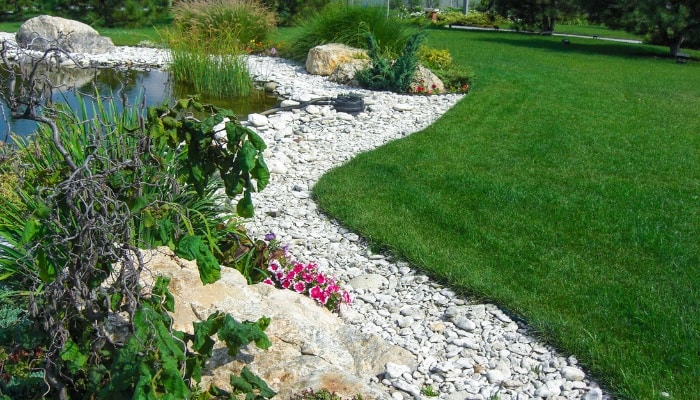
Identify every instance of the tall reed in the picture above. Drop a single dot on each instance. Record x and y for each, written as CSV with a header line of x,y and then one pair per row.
x,y
215,75
208,41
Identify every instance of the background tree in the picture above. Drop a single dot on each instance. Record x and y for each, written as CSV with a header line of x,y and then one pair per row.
x,y
539,15
109,13
670,23
14,10
289,10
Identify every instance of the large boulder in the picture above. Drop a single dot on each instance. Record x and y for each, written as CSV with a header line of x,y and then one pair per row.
x,y
311,347
44,32
345,72
324,59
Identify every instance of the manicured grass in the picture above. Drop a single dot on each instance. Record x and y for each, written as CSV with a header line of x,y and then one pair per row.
x,y
134,36
566,188
602,31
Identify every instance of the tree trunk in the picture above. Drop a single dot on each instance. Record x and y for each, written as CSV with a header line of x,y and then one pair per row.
x,y
548,23
675,44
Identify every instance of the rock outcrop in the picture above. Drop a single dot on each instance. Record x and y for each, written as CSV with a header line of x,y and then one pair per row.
x,y
44,32
426,82
311,347
345,72
324,59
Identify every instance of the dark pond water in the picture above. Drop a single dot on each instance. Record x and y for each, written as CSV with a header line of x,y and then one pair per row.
x,y
154,86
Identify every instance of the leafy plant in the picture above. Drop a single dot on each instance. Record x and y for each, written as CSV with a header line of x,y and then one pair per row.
x,y
429,390
383,74
473,18
456,78
91,185
434,58
350,25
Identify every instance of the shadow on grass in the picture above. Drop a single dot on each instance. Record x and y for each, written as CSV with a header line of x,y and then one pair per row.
x,y
575,45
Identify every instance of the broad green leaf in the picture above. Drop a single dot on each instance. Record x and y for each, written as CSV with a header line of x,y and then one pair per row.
x,y
198,178
137,204
75,359
203,343
209,123
236,334
191,247
247,155
261,173
148,219
244,207
234,134
47,270
182,104
31,228
161,290
170,122
256,140
249,383
175,386
228,113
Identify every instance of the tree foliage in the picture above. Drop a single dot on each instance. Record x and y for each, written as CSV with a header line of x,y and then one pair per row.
x,y
668,22
539,15
109,13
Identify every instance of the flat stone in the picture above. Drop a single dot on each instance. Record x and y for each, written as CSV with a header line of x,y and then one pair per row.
x,y
402,107
370,282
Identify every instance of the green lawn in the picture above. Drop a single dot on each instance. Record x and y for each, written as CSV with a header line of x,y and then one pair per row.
x,y
590,30
566,188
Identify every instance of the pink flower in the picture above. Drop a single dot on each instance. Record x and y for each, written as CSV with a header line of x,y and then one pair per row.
x,y
311,267
274,266
298,268
316,293
323,298
333,288
307,277
291,275
320,279
269,281
299,287
346,297
287,284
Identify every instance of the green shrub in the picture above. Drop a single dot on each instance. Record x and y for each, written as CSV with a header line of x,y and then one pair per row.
x,y
383,74
473,18
456,78
434,58
350,25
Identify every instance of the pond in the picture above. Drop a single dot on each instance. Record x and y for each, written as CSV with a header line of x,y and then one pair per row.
x,y
155,86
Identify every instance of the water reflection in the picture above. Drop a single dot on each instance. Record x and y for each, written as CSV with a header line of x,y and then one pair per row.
x,y
153,87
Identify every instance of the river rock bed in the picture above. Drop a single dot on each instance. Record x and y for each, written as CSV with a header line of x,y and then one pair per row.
x,y
465,350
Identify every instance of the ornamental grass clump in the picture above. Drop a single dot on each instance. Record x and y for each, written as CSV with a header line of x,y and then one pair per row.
x,y
350,25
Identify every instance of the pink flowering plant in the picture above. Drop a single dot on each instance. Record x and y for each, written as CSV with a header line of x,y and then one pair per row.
x,y
306,279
